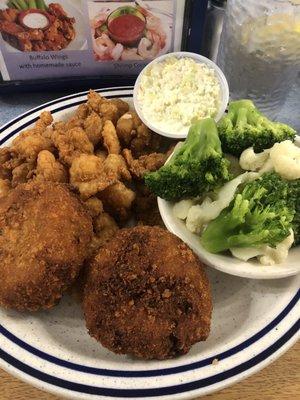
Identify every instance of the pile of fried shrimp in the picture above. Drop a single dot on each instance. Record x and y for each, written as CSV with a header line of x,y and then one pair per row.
x,y
102,152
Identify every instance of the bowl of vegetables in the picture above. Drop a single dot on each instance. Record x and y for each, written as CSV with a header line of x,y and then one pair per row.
x,y
231,191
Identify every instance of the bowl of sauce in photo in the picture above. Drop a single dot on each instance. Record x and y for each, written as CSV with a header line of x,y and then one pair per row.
x,y
126,25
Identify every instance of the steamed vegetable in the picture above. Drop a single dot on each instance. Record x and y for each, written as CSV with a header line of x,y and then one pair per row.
x,y
294,199
195,168
262,214
244,126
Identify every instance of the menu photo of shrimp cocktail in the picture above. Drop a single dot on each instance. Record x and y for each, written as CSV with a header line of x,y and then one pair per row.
x,y
56,38
135,31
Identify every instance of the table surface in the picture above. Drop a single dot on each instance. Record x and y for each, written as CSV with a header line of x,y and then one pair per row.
x,y
279,381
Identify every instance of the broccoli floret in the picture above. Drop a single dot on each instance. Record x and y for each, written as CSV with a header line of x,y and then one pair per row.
x,y
294,199
195,168
244,126
261,214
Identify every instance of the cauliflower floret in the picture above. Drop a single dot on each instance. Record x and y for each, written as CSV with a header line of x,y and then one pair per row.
x,y
285,157
181,208
278,254
199,215
251,161
267,167
266,255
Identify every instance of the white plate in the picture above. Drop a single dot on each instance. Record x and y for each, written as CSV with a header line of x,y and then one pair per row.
x,y
253,323
79,42
227,263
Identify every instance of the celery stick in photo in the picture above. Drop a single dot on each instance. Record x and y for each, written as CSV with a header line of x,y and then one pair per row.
x,y
41,5
22,3
32,4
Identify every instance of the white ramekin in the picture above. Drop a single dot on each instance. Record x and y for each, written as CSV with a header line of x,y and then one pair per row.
x,y
198,58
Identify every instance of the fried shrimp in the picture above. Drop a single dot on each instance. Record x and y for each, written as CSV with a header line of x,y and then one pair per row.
x,y
44,242
147,295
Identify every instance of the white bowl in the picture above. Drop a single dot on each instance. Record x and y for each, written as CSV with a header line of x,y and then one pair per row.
x,y
228,263
196,57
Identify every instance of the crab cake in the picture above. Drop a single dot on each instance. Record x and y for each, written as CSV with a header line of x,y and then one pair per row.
x,y
147,295
44,236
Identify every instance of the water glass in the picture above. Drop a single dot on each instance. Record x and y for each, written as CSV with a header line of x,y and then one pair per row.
x,y
260,50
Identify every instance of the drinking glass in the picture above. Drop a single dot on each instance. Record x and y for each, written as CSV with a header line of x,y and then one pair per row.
x,y
260,50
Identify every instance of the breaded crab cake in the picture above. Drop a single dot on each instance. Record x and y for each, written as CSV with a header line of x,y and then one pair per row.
x,y
44,236
147,295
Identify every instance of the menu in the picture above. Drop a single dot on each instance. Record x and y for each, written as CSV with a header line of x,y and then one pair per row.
x,y
49,39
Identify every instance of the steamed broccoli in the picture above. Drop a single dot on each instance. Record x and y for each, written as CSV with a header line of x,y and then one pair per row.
x,y
294,199
196,167
244,126
262,214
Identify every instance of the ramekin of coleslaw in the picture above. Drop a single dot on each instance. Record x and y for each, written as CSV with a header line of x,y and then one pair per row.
x,y
176,89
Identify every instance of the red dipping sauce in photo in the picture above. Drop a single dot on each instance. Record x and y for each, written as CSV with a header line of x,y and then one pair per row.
x,y
126,29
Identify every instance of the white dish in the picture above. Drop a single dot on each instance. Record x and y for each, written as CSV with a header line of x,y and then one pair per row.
x,y
253,323
199,59
228,263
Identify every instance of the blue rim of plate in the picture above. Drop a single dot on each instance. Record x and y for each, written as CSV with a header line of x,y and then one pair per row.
x,y
130,393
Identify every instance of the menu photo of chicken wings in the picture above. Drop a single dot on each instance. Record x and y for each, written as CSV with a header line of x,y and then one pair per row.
x,y
38,25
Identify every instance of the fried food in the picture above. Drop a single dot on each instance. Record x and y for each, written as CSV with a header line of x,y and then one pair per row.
x,y
147,295
71,144
94,101
136,136
44,120
4,187
145,207
117,199
126,127
45,233
102,154
27,146
93,127
48,169
105,227
110,138
5,168
22,173
94,206
115,164
87,174
121,105
82,111
146,163
85,150
108,111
